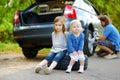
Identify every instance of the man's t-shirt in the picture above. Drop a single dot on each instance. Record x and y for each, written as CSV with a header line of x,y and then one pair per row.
x,y
112,35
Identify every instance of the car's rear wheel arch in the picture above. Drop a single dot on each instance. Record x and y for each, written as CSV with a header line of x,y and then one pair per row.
x,y
91,29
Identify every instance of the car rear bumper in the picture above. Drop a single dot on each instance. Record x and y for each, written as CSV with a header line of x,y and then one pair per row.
x,y
34,41
33,36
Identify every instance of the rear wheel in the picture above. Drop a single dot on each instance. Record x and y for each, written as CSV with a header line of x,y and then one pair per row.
x,y
30,52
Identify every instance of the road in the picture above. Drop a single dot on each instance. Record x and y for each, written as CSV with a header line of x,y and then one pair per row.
x,y
17,67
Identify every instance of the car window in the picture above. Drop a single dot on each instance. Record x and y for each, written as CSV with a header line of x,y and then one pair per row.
x,y
85,5
48,7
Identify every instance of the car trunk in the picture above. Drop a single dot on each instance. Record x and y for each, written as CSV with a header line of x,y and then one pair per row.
x,y
42,12
33,18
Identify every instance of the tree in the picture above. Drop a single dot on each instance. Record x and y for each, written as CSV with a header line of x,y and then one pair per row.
x,y
9,4
110,7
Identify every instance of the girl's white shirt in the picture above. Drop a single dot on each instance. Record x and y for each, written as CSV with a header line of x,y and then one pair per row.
x,y
59,42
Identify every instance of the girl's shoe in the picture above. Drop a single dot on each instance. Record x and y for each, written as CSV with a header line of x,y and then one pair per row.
x,y
80,70
38,69
68,70
47,71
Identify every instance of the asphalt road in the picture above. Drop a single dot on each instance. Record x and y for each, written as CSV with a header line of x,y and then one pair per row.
x,y
17,67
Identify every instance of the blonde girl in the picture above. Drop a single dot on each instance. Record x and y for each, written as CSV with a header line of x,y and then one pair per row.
x,y
58,50
75,46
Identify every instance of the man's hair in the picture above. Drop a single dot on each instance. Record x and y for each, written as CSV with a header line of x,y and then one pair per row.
x,y
105,19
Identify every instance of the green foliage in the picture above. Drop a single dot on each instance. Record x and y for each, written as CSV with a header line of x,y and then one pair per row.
x,y
9,48
110,7
6,17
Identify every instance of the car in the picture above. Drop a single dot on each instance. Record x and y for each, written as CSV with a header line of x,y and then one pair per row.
x,y
33,26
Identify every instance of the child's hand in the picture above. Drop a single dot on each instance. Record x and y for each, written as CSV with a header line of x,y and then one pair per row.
x,y
74,56
74,53
80,52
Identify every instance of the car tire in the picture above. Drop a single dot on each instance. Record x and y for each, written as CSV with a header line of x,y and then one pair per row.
x,y
89,48
29,53
63,64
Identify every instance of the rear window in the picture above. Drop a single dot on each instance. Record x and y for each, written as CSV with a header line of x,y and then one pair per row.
x,y
45,12
51,7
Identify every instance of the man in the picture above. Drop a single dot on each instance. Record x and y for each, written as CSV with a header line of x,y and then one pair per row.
x,y
109,43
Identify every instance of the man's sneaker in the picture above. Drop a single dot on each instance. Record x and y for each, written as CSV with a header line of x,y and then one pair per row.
x,y
47,71
38,69
111,56
118,53
68,70
80,71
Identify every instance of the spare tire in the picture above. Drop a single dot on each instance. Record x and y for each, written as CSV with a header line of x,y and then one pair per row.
x,y
62,65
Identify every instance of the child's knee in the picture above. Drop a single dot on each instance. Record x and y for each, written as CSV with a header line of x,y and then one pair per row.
x,y
81,57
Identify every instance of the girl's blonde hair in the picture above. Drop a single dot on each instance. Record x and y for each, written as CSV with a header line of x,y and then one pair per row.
x,y
62,20
74,22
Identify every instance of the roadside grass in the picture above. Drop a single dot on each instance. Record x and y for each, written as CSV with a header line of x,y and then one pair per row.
x,y
15,48
9,48
44,51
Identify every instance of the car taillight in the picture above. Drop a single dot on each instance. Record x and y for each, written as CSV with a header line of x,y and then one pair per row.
x,y
69,12
16,17
17,37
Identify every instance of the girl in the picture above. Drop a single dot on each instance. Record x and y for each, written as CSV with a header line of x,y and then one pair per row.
x,y
75,46
59,49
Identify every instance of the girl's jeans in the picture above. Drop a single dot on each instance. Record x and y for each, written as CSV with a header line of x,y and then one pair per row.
x,y
56,56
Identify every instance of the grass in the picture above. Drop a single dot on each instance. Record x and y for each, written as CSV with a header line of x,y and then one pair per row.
x,y
9,48
44,51
15,48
